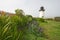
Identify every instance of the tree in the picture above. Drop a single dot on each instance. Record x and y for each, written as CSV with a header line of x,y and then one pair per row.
x,y
19,12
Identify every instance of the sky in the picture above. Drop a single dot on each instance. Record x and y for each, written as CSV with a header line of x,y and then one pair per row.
x,y
31,7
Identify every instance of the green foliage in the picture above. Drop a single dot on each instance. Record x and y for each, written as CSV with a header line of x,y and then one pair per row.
x,y
4,26
27,28
19,12
13,28
19,27
41,20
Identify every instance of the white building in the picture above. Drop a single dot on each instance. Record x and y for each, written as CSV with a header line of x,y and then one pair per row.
x,y
41,11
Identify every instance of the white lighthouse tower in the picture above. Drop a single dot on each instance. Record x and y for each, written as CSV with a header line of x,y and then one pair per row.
x,y
41,11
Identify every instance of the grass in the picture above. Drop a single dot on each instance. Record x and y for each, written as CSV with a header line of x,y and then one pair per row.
x,y
52,29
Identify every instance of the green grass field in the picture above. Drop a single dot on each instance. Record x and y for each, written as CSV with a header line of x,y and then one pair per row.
x,y
52,29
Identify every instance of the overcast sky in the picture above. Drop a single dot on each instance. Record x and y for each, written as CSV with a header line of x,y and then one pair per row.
x,y
52,7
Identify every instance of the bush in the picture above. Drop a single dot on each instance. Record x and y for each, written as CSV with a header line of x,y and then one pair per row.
x,y
18,28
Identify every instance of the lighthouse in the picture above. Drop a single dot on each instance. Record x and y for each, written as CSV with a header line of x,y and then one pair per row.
x,y
41,11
